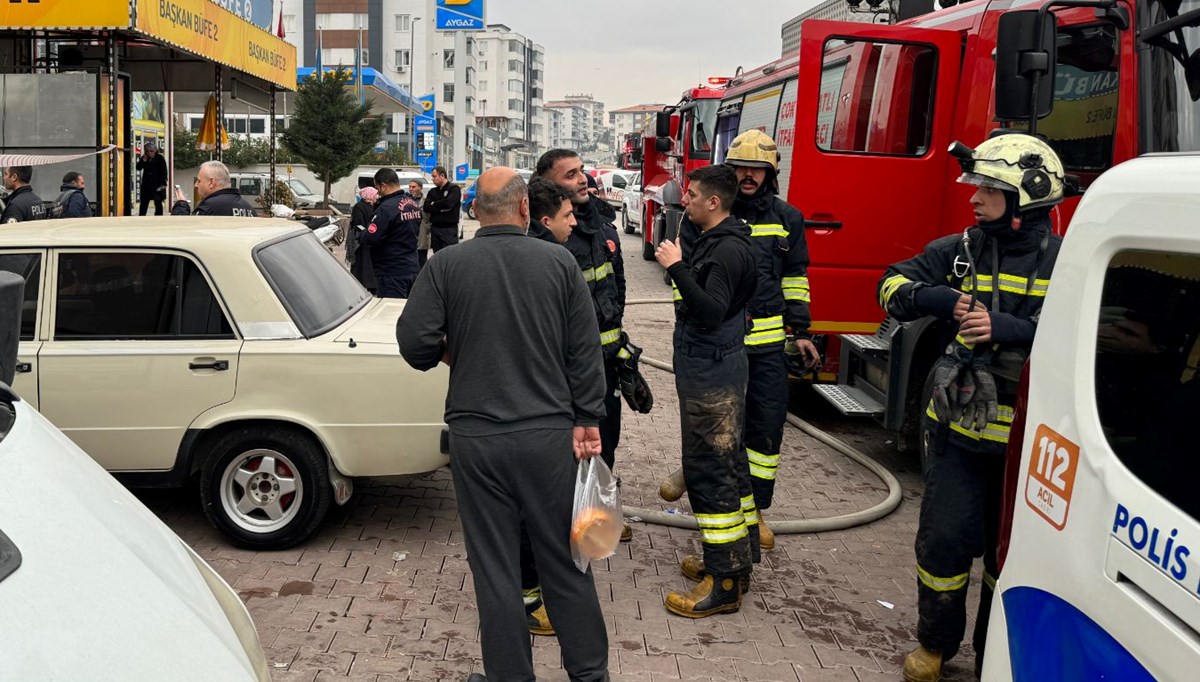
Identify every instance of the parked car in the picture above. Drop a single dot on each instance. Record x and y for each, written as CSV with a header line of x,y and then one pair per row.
x,y
468,201
612,185
407,175
631,205
250,186
93,586
238,351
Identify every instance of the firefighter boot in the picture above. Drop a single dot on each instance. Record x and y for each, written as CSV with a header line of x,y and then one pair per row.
x,y
922,665
672,488
539,621
711,596
766,536
692,568
626,533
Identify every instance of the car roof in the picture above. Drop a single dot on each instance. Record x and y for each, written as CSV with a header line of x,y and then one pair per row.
x,y
203,233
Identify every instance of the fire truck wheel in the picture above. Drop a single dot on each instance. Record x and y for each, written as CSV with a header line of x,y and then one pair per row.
x,y
647,251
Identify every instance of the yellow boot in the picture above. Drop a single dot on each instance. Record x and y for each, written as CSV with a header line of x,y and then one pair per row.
x,y
766,536
672,487
922,665
708,598
692,568
539,622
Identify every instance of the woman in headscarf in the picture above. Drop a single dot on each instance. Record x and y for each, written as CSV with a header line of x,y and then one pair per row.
x,y
358,254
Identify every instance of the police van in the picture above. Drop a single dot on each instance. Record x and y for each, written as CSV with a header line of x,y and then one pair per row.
x,y
1099,539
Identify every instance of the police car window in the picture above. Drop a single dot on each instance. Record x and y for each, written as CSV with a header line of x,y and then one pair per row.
x,y
135,295
876,98
1148,369
1083,122
29,266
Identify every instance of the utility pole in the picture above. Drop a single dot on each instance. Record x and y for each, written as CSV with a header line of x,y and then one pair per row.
x,y
412,41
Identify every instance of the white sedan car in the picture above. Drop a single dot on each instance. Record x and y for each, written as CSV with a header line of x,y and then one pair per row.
x,y
234,350
631,205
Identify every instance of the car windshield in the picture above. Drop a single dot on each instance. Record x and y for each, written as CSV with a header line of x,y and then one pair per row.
x,y
318,293
406,178
1171,77
299,187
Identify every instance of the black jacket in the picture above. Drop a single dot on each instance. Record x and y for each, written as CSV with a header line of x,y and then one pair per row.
x,y
589,243
221,202
718,278
392,236
73,202
154,173
524,350
22,204
443,205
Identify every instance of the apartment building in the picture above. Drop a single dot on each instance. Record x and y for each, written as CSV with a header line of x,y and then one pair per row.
x,y
576,124
633,119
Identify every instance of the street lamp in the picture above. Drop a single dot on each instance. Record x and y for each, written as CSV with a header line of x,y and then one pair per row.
x,y
412,38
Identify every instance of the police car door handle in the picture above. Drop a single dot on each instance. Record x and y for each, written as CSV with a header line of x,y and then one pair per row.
x,y
218,365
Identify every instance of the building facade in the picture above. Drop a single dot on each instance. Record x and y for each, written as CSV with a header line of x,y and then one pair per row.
x,y
633,119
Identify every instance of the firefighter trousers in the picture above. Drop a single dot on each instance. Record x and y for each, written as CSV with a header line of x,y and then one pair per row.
x,y
766,412
959,520
712,392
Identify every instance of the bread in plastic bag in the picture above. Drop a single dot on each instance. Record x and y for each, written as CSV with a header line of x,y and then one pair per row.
x,y
596,520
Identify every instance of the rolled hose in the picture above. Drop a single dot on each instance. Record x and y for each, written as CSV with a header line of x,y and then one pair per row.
x,y
817,525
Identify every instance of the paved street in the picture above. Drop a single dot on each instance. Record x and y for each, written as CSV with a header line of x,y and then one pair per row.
x,y
383,591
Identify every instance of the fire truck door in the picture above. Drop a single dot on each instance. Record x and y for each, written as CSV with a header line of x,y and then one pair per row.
x,y
873,122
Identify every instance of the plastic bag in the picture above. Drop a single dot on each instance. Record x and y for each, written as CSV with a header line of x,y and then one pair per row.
x,y
596,520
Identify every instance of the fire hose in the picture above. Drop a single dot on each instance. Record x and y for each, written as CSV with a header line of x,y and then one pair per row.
x,y
815,525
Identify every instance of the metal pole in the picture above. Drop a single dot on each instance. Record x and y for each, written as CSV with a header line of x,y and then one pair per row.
x,y
271,158
412,42
110,55
358,66
220,113
460,100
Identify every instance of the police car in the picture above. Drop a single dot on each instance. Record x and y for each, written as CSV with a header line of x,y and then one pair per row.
x,y
1100,538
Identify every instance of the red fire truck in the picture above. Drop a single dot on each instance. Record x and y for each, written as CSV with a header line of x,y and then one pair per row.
x,y
865,113
682,142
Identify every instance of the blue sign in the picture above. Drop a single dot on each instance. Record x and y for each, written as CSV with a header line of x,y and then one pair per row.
x,y
461,15
258,12
461,172
425,130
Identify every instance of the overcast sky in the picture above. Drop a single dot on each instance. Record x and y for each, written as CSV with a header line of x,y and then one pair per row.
x,y
627,52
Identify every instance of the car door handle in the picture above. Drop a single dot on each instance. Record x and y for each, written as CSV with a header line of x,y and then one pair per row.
x,y
823,224
24,367
218,365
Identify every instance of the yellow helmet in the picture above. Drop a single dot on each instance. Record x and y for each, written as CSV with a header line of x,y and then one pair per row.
x,y
753,148
1017,163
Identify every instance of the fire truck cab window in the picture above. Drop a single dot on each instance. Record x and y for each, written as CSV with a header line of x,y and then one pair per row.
x,y
1148,369
876,98
701,126
1170,78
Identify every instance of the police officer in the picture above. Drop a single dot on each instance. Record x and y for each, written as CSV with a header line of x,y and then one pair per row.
x,y
392,237
714,285
217,197
22,204
988,284
780,301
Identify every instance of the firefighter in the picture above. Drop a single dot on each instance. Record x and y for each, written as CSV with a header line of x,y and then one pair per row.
x,y
988,285
780,300
714,284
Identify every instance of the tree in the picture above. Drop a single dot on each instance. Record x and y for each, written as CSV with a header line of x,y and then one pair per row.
x,y
330,132
184,150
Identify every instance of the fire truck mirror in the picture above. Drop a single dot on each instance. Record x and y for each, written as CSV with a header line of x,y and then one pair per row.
x,y
1023,60
662,144
662,126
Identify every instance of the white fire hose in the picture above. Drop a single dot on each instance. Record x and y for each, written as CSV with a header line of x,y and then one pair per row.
x,y
817,525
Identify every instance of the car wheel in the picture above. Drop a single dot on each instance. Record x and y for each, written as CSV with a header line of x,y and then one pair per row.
x,y
471,211
266,487
625,224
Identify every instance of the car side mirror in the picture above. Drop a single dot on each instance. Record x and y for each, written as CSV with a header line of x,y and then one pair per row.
x,y
662,144
1023,57
12,296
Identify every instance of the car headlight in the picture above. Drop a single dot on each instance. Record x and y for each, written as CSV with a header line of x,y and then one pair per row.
x,y
235,611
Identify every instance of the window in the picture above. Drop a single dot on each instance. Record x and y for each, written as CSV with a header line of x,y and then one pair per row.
x,y
258,126
403,59
366,56
448,93
195,123
135,296
483,85
516,104
875,98
483,66
1148,369
470,76
470,105
341,21
337,56
516,46
29,266
249,186
315,289
1172,121
447,59
289,24
515,66
403,23
280,123
516,86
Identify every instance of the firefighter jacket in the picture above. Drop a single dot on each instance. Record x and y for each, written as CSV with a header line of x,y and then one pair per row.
x,y
781,297
603,271
392,236
22,205
715,283
1013,274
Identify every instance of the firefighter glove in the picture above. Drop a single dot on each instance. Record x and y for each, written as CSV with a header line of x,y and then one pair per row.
x,y
633,385
984,405
945,378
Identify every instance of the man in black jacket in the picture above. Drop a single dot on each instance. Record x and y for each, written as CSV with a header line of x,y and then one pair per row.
x,y
71,202
153,186
392,237
513,318
216,195
443,204
715,284
22,204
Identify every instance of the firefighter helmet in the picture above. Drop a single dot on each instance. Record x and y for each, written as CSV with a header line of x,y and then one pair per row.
x,y
755,149
1017,163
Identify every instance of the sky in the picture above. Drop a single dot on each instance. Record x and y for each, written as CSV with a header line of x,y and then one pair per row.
x,y
627,52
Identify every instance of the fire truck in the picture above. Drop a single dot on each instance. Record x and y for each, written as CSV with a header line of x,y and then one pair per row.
x,y
863,117
629,154
682,142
